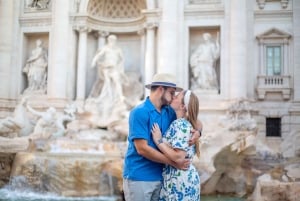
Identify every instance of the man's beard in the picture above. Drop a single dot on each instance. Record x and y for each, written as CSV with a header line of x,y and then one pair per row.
x,y
164,100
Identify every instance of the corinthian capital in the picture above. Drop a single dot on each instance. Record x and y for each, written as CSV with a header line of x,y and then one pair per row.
x,y
150,25
82,28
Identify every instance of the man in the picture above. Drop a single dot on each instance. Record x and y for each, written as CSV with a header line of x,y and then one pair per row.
x,y
143,163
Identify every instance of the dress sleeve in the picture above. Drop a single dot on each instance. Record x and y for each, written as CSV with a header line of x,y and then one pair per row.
x,y
179,135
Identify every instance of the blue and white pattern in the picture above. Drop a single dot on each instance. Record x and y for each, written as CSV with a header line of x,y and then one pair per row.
x,y
180,185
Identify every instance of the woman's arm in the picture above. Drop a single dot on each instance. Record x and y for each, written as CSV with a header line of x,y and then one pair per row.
x,y
176,155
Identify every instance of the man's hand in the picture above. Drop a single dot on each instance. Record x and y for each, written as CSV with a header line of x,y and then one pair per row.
x,y
196,134
183,165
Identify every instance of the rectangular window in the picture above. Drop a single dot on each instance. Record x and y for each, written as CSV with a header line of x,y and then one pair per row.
x,y
274,60
273,127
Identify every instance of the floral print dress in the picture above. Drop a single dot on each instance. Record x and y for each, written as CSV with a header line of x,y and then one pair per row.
x,y
180,185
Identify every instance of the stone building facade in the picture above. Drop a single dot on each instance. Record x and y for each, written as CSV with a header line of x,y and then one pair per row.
x,y
259,58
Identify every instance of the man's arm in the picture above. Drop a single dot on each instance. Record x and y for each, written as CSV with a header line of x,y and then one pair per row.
x,y
196,133
154,155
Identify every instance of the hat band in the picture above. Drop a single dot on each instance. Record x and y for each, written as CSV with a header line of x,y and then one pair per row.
x,y
164,84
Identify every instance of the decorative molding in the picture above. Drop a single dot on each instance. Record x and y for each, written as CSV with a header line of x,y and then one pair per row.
x,y
116,26
34,21
262,3
273,34
205,1
199,10
273,15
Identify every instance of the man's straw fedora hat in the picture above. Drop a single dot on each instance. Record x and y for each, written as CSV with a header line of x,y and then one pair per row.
x,y
165,80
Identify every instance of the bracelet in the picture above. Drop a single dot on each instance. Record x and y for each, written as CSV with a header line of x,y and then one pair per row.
x,y
159,141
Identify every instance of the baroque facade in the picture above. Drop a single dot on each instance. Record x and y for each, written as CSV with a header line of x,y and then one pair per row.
x,y
241,58
258,60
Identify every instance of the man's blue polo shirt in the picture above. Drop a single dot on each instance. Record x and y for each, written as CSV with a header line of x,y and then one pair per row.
x,y
141,119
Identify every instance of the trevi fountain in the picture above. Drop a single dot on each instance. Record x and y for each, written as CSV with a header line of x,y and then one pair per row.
x,y
71,71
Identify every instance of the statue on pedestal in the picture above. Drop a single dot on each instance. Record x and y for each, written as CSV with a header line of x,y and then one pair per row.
x,y
203,64
106,99
110,63
36,70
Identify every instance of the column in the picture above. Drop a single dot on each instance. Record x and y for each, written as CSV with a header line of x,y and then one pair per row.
x,y
142,34
102,38
150,52
168,38
238,50
81,62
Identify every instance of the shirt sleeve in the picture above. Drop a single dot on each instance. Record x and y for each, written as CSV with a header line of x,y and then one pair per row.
x,y
138,124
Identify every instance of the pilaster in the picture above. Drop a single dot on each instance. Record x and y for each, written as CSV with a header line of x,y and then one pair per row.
x,y
58,71
296,28
6,44
81,62
168,38
238,49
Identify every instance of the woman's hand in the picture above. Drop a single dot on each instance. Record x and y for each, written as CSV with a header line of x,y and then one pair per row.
x,y
156,133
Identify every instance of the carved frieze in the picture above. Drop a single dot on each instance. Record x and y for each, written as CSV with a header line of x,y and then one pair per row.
x,y
37,5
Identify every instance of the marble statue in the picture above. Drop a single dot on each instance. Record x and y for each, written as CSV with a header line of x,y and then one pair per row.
x,y
51,123
110,63
46,124
106,100
38,4
36,69
18,124
203,64
9,127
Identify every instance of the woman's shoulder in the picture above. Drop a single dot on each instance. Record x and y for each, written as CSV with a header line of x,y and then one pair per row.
x,y
180,121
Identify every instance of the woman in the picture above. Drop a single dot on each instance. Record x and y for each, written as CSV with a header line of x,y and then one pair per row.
x,y
180,184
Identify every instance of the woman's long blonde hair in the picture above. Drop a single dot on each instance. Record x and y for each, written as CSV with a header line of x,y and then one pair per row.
x,y
192,115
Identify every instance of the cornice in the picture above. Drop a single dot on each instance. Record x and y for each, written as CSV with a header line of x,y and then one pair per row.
x,y
111,25
278,14
217,11
34,20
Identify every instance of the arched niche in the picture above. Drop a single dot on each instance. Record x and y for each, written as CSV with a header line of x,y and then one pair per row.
x,y
125,19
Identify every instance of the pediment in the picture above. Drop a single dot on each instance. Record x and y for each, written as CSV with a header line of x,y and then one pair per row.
x,y
274,33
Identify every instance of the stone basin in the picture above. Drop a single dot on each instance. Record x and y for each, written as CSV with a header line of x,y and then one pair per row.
x,y
71,172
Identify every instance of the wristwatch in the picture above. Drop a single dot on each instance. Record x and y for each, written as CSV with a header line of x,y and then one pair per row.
x,y
159,141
